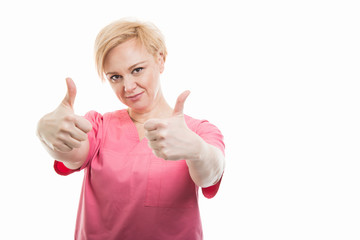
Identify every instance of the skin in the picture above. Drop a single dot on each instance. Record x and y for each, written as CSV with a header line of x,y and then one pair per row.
x,y
134,75
132,70
63,133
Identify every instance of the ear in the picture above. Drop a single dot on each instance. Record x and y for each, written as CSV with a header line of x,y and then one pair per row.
x,y
161,62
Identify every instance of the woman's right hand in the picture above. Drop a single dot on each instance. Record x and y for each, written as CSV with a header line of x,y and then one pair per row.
x,y
62,130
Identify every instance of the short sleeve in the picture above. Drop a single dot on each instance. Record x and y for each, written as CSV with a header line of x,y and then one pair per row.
x,y
212,135
94,137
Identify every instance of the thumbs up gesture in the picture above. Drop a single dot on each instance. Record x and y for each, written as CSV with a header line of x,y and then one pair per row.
x,y
62,130
170,138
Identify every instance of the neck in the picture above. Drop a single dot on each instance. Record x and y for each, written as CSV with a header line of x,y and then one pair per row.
x,y
160,109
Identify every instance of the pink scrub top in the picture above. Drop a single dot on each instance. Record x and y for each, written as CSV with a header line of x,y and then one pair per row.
x,y
129,193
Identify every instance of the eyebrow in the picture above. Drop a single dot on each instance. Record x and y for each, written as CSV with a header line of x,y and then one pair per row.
x,y
131,67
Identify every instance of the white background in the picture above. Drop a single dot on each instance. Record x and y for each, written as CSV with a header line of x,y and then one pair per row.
x,y
279,78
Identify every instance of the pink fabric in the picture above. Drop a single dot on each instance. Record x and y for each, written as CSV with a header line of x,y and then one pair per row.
x,y
129,193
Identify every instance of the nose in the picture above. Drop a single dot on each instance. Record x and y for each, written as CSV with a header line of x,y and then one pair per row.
x,y
129,84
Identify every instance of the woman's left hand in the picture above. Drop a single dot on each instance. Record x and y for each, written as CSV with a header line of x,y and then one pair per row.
x,y
170,138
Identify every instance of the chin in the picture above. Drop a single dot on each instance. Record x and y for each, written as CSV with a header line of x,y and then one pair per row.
x,y
138,107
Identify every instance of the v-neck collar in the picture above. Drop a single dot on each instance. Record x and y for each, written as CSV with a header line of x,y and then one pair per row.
x,y
134,134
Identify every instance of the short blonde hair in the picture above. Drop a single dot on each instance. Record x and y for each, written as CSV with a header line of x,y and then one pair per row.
x,y
122,30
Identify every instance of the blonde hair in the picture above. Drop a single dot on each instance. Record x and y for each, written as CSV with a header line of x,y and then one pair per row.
x,y
122,30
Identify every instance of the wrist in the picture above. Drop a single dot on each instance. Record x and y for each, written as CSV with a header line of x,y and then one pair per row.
x,y
198,146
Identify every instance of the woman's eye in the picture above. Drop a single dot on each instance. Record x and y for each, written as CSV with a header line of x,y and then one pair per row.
x,y
115,78
137,70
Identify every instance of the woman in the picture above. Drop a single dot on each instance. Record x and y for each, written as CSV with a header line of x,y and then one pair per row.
x,y
142,165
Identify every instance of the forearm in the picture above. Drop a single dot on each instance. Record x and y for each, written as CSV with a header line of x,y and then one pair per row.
x,y
73,159
207,165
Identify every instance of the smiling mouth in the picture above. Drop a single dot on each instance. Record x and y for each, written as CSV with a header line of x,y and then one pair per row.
x,y
134,96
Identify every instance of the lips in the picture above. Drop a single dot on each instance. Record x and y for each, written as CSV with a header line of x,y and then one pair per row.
x,y
135,96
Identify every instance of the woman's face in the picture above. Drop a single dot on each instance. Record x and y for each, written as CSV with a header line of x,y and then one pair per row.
x,y
134,75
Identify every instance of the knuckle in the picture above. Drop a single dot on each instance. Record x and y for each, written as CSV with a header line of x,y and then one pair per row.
x,y
69,118
76,145
162,145
162,135
83,137
61,136
165,156
68,149
63,127
60,147
166,153
56,146
56,149
150,145
73,142
146,126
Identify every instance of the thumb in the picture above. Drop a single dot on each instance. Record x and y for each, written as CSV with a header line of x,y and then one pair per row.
x,y
71,93
179,106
